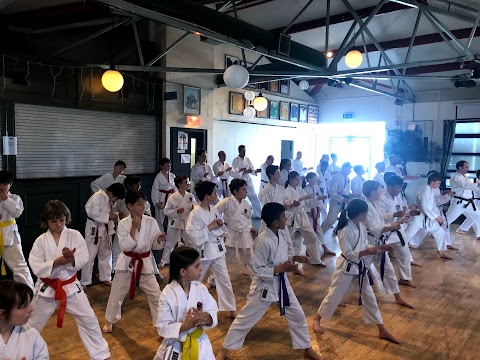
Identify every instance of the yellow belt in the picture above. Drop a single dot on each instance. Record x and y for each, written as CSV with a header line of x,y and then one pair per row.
x,y
2,249
190,346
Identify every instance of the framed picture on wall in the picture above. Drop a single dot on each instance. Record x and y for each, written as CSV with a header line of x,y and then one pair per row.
x,y
284,110
263,86
293,112
273,86
312,114
285,87
273,109
191,100
236,103
263,114
303,113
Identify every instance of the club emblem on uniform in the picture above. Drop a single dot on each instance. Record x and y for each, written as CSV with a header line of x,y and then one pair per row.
x,y
245,211
397,207
191,199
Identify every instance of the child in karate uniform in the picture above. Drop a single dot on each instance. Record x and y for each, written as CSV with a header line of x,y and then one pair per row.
x,y
138,234
163,186
237,215
273,258
55,258
17,339
186,309
206,232
178,208
351,270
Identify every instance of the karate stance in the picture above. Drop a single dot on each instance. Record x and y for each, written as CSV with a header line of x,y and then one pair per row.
x,y
18,340
351,270
467,223
138,234
272,260
163,186
55,258
222,169
108,179
206,232
11,252
263,174
186,309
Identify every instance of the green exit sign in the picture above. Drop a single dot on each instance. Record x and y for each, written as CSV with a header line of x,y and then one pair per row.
x,y
348,116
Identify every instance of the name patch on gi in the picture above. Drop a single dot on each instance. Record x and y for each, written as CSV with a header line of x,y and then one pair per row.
x,y
94,230
264,293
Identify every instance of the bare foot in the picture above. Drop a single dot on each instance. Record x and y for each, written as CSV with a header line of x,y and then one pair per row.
x,y
108,283
407,283
413,247
385,335
451,247
221,354
299,272
316,325
107,328
414,263
233,314
399,300
461,232
327,251
311,354
442,255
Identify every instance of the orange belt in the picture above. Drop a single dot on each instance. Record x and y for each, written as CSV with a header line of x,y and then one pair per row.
x,y
136,271
60,295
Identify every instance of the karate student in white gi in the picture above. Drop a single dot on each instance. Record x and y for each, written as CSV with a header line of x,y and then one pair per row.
x,y
378,233
98,232
467,223
178,208
285,167
323,181
463,201
55,258
108,179
272,260
11,252
339,192
222,169
351,270
333,168
263,174
138,234
18,340
202,171
243,167
392,208
357,181
206,233
186,309
380,166
298,165
237,216
163,186
430,220
314,207
324,158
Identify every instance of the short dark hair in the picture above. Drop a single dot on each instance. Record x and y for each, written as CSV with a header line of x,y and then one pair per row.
x,y
379,165
204,188
369,186
54,209
284,162
434,177
164,161
200,152
240,147
346,165
271,212
460,164
120,162
394,181
270,170
131,180
181,258
388,175
133,196
117,190
236,184
179,179
13,294
357,168
6,177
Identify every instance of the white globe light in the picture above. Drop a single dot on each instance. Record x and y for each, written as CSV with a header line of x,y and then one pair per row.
x,y
303,85
249,112
249,95
353,59
260,103
236,77
112,80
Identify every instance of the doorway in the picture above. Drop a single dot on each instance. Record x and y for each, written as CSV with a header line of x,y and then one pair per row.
x,y
287,149
357,151
184,144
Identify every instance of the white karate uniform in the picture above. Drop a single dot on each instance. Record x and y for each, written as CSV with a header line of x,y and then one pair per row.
x,y
202,172
313,208
41,259
427,220
24,342
352,241
465,189
98,209
270,250
172,310
299,223
322,182
467,223
271,193
283,177
357,185
338,186
10,209
239,163
104,181
388,205
161,184
375,224
176,221
211,247
263,176
144,241
297,165
333,169
238,220
379,178
222,181
396,169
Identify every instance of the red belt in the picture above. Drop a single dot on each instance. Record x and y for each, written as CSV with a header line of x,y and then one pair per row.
x,y
167,193
314,212
224,187
60,295
136,271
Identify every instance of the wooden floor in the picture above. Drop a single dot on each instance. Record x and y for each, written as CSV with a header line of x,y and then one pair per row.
x,y
444,325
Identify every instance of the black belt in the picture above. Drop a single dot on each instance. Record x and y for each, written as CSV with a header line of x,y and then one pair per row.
x,y
266,182
470,201
362,272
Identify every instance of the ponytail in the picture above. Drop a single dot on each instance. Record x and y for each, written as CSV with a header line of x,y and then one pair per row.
x,y
342,221
307,179
304,183
354,209
291,175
